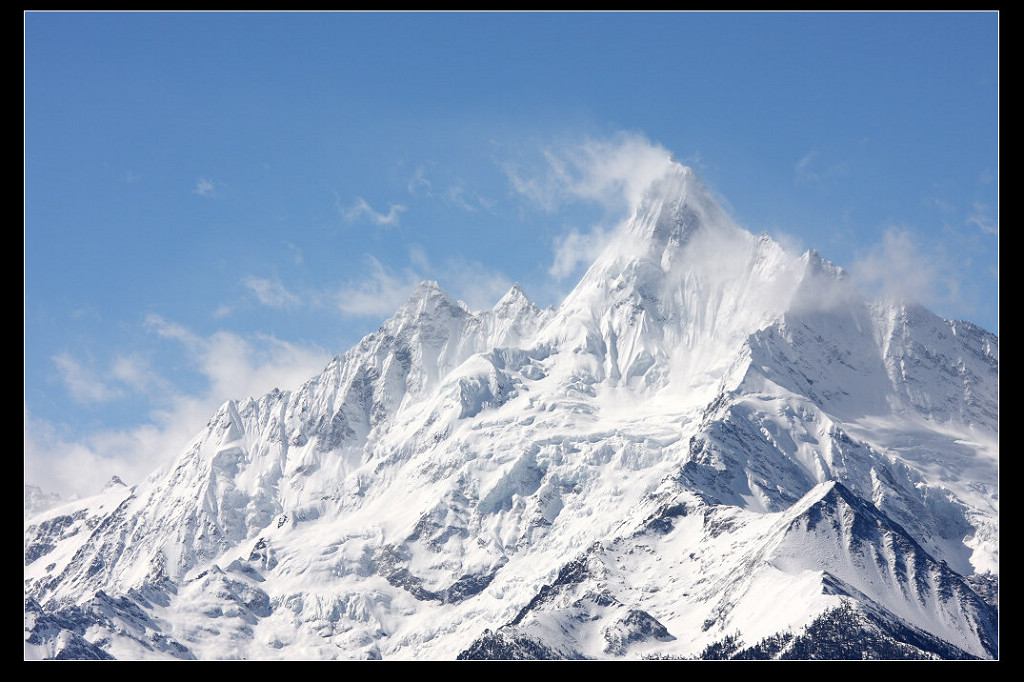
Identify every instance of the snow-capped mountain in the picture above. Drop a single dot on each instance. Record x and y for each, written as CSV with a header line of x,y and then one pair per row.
x,y
712,448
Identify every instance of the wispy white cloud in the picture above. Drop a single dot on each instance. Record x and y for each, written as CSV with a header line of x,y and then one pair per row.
x,y
126,375
418,257
84,385
420,182
809,168
237,366
295,251
271,293
86,312
454,193
901,265
137,374
803,166
456,196
240,367
979,218
381,292
613,172
204,188
222,311
942,205
362,209
171,330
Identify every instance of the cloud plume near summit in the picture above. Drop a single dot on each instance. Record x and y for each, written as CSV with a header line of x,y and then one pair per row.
x,y
613,172
610,173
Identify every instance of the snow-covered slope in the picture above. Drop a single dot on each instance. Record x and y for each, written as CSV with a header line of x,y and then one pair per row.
x,y
712,448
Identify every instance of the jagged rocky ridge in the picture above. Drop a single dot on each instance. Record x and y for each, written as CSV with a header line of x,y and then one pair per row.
x,y
712,448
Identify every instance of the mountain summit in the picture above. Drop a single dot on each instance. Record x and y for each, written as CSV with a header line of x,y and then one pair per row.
x,y
673,207
713,448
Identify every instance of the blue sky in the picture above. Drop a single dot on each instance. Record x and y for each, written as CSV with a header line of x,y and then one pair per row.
x,y
217,203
